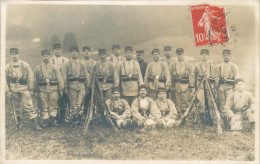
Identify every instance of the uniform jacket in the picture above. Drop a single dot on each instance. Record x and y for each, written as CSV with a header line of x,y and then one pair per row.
x,y
45,76
120,107
58,61
116,60
143,66
19,71
88,64
167,108
130,87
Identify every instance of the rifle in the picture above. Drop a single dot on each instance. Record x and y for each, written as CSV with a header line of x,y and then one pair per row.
x,y
37,107
209,119
59,108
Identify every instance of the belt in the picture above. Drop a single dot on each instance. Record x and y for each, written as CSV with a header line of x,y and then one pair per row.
x,y
79,79
20,81
129,77
179,80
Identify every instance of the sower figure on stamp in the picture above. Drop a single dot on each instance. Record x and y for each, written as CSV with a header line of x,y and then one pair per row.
x,y
119,110
116,58
180,74
48,84
239,105
201,69
130,76
76,81
106,74
167,108
142,63
157,75
19,87
58,60
145,111
227,73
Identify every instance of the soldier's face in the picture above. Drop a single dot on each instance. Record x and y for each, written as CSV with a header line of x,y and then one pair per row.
x,y
116,95
240,86
156,56
168,53
143,92
57,51
45,58
161,95
74,54
180,57
86,53
116,51
139,56
226,57
14,56
102,56
128,54
204,56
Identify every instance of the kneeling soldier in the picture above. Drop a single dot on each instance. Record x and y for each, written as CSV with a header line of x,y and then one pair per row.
x,y
48,82
119,110
167,108
239,104
19,80
145,111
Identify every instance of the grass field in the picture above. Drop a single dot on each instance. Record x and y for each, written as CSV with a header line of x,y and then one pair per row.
x,y
189,142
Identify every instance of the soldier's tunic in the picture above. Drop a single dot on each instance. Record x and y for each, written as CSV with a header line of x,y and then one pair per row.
x,y
168,61
227,74
130,78
168,111
157,75
75,80
48,81
107,75
20,77
143,66
120,110
145,111
180,72
88,64
197,72
236,105
116,60
58,60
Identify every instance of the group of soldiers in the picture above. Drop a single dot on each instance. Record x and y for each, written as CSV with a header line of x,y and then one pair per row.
x,y
137,94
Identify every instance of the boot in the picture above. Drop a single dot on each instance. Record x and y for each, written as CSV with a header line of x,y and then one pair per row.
x,y
45,123
134,123
253,127
35,124
128,123
54,121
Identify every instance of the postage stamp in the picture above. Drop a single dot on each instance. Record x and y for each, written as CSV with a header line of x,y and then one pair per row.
x,y
209,25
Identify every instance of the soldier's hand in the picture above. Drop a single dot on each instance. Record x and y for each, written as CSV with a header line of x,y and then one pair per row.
x,y
61,93
66,91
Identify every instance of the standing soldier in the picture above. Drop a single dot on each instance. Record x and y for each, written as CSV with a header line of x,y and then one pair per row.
x,y
168,55
130,75
227,73
19,87
157,75
142,63
201,69
48,82
180,73
75,80
116,58
88,62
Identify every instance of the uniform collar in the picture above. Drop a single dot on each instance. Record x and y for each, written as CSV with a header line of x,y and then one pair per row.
x,y
16,63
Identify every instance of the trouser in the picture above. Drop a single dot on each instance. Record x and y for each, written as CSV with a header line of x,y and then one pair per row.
x,y
129,99
24,98
152,94
222,97
236,120
76,98
168,122
182,99
49,102
107,94
119,122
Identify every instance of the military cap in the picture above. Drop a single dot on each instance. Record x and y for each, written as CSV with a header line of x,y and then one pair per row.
x,y
140,51
179,50
14,50
204,51
56,46
115,46
45,52
239,80
115,89
167,48
128,48
161,90
86,48
74,48
142,86
155,50
102,51
226,51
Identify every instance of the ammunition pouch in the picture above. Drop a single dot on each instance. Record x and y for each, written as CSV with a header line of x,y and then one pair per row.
x,y
162,79
100,78
22,81
42,83
211,80
164,114
110,80
12,79
150,78
79,79
53,82
181,80
118,111
127,78
228,81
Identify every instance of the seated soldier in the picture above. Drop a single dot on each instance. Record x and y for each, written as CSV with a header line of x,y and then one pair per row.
x,y
240,104
119,110
145,111
167,108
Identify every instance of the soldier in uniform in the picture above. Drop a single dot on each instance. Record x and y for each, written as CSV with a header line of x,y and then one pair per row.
x,y
48,82
240,104
157,75
19,87
130,76
142,63
88,62
145,111
116,58
119,110
201,69
167,108
180,72
76,80
168,55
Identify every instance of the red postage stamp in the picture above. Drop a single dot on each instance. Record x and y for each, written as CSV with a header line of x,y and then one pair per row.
x,y
209,25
